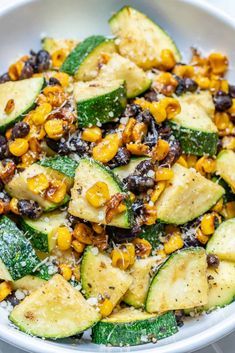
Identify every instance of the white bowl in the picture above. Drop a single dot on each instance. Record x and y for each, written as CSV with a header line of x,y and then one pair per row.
x,y
191,23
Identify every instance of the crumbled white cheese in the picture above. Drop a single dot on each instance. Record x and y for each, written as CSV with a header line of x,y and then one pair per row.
x,y
151,173
92,301
95,251
20,295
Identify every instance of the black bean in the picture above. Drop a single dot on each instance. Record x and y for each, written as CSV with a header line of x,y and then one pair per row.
x,y
5,197
138,184
144,167
5,78
3,140
119,235
73,220
173,154
42,60
151,96
223,101
20,129
63,148
122,157
138,208
213,261
4,151
13,300
179,315
152,135
77,145
144,117
232,91
54,81
132,110
52,144
190,85
29,208
27,71
191,240
165,132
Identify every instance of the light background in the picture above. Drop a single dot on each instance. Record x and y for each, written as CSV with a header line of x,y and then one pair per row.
x,y
226,345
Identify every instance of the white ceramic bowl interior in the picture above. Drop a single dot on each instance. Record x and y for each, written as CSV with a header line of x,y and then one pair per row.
x,y
191,23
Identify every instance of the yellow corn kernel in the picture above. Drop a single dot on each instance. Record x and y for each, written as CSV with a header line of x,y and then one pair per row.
x,y
121,208
203,82
83,234
106,307
65,271
224,86
156,109
232,109
183,70
166,83
97,228
222,121
38,183
151,214
92,134
215,85
218,206
63,78
139,132
171,229
171,106
78,247
8,134
120,259
158,190
58,57
164,174
54,128
10,106
131,250
208,224
182,161
56,191
191,161
28,159
229,210
174,243
143,248
167,59
64,238
77,272
228,142
138,149
98,194
15,70
40,114
161,253
132,196
218,63
160,150
106,149
18,147
5,290
202,237
14,205
127,133
206,165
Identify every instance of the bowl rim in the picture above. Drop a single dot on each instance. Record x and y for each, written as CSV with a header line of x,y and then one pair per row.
x,y
197,341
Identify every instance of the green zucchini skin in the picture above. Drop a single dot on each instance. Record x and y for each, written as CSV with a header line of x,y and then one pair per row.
x,y
102,109
152,233
195,142
134,333
39,240
62,164
16,252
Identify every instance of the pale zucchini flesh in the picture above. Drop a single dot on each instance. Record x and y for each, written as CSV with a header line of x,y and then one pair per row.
x,y
225,167
125,170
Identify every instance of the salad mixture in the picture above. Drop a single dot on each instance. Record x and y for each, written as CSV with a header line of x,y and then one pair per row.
x,y
117,179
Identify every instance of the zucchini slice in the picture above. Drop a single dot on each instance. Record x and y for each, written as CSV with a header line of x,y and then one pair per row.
x,y
52,45
18,187
125,170
29,283
54,310
130,327
88,173
100,278
83,61
140,272
99,102
222,243
188,196
24,94
194,127
225,167
17,256
119,68
140,39
180,282
42,231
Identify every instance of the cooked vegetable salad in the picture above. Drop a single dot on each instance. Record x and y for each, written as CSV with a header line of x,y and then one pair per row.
x,y
117,179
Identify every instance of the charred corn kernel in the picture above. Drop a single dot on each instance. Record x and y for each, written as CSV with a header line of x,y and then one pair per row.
x,y
206,165
5,290
14,205
38,183
219,205
97,228
98,194
224,86
142,247
171,229
54,128
222,120
40,114
215,85
151,214
202,237
203,82
183,70
120,259
229,210
77,273
15,70
156,109
164,174
10,106
139,132
182,161
132,196
92,134
161,253
228,142
167,59
232,109
138,149
106,149
218,63
64,238
174,243
63,78
208,224
106,307
165,83
8,134
28,158
54,95
157,191
34,145
56,191
58,57
160,150
131,250
78,247
171,106
65,271
18,147
127,133
121,208
191,160
83,233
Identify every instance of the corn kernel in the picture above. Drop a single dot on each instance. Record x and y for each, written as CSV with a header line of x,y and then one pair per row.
x,y
58,57
106,149
167,59
78,247
164,174
208,224
98,194
171,106
203,82
8,134
171,229
142,247
151,214
40,114
138,149
14,205
132,196
229,210
106,307
97,228
92,134
158,191
131,250
139,132
15,70
160,150
228,142
218,63
183,70
128,130
56,191
206,165
28,158
65,271
120,259
222,120
63,78
156,109
77,273
165,83
83,234
10,106
5,290
54,128
64,238
232,109
224,86
174,243
161,253
202,237
38,183
219,205
182,161
18,147
191,161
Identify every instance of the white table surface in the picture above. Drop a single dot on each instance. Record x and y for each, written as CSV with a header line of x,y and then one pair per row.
x,y
227,344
